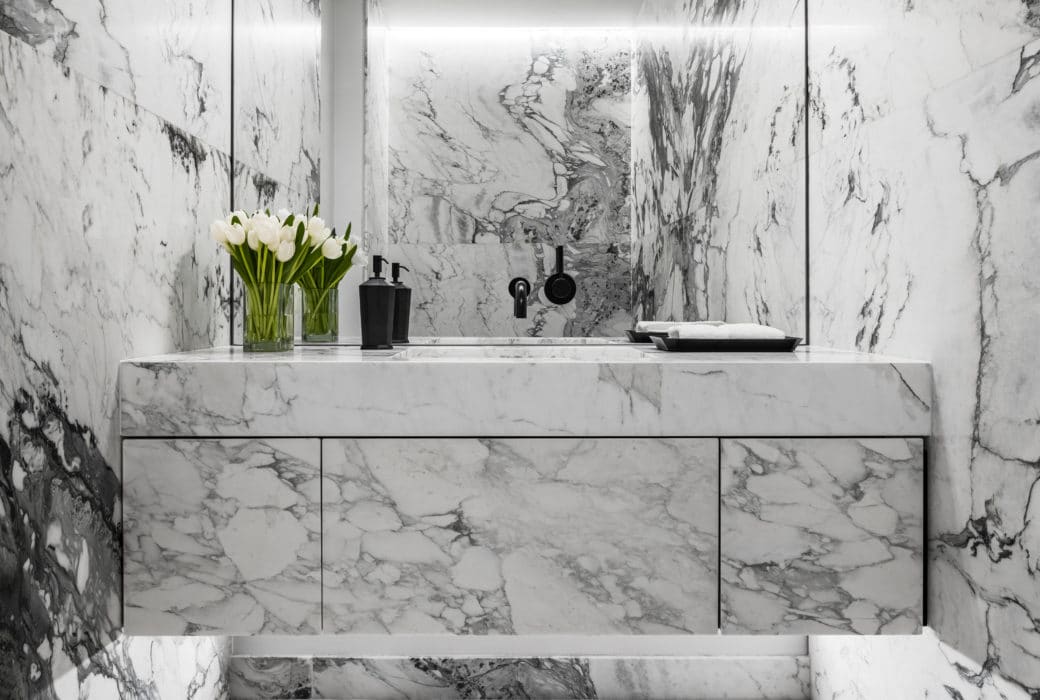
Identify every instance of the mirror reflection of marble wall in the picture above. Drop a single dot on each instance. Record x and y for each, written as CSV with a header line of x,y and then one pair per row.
x,y
665,157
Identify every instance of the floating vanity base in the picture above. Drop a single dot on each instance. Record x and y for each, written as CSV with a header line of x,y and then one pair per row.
x,y
248,511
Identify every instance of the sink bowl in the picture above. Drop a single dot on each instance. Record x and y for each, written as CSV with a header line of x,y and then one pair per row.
x,y
533,353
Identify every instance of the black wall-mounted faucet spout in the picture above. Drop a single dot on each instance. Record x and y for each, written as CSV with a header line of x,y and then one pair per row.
x,y
519,288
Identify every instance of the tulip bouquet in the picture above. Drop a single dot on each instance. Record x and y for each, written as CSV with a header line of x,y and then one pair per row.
x,y
271,253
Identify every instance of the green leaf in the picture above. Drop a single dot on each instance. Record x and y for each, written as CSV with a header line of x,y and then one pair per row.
x,y
315,209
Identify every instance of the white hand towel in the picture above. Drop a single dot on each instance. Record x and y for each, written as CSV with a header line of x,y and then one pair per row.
x,y
729,331
665,326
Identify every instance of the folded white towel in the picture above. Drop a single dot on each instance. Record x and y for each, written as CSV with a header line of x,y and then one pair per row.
x,y
729,331
665,326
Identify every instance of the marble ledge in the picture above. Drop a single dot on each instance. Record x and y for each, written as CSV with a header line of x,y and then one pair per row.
x,y
607,389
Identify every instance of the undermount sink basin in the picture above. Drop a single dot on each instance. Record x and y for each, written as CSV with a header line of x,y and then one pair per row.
x,y
540,353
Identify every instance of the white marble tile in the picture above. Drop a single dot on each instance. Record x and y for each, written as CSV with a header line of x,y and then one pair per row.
x,y
719,220
526,536
921,225
277,128
822,536
169,59
222,536
225,392
375,236
107,203
920,666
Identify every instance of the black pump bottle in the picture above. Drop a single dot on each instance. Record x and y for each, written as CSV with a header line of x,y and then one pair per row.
x,y
377,309
402,304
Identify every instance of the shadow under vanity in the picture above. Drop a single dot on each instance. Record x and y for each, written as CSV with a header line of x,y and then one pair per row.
x,y
523,490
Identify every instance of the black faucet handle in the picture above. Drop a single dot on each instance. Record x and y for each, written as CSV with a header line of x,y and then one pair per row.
x,y
519,289
560,288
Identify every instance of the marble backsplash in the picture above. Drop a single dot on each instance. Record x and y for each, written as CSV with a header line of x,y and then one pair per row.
x,y
674,196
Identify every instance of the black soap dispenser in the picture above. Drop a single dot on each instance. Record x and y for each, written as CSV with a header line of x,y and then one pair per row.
x,y
377,309
402,304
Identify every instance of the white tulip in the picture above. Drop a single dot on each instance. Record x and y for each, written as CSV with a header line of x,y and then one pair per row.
x,y
236,234
267,230
287,233
316,231
283,214
253,239
286,251
332,248
218,230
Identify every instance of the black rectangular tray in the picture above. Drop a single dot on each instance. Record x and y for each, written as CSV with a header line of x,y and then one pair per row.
x,y
635,336
726,344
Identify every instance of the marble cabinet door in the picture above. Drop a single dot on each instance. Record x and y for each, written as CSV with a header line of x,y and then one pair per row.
x,y
521,536
222,536
822,536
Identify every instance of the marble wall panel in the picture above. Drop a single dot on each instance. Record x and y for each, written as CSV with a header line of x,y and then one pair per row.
x,y
520,536
170,58
822,536
921,218
503,144
377,125
222,536
718,184
919,666
277,126
107,190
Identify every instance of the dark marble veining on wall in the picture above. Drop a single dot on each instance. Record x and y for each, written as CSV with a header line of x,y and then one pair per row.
x,y
718,180
108,182
502,145
924,217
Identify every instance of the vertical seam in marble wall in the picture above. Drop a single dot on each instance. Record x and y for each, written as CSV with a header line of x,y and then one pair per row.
x,y
718,541
807,121
231,175
926,469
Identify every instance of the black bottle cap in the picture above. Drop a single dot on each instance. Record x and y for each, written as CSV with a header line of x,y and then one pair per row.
x,y
395,270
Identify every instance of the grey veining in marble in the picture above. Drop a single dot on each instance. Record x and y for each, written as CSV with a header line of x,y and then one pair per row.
x,y
530,536
259,677
502,144
718,188
822,536
168,58
924,213
107,202
616,678
225,392
277,126
921,666
197,553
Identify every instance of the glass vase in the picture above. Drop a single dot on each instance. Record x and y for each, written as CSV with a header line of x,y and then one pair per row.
x,y
268,318
320,315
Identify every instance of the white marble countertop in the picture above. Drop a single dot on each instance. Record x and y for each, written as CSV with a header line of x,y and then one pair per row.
x,y
500,387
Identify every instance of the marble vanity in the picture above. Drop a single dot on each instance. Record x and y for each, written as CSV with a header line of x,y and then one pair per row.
x,y
502,488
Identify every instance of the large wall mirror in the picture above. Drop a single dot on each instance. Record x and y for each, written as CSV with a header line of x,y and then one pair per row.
x,y
660,143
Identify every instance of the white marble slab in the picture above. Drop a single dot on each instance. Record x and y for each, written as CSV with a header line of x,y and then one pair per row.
x,y
924,212
342,391
222,537
822,536
520,536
